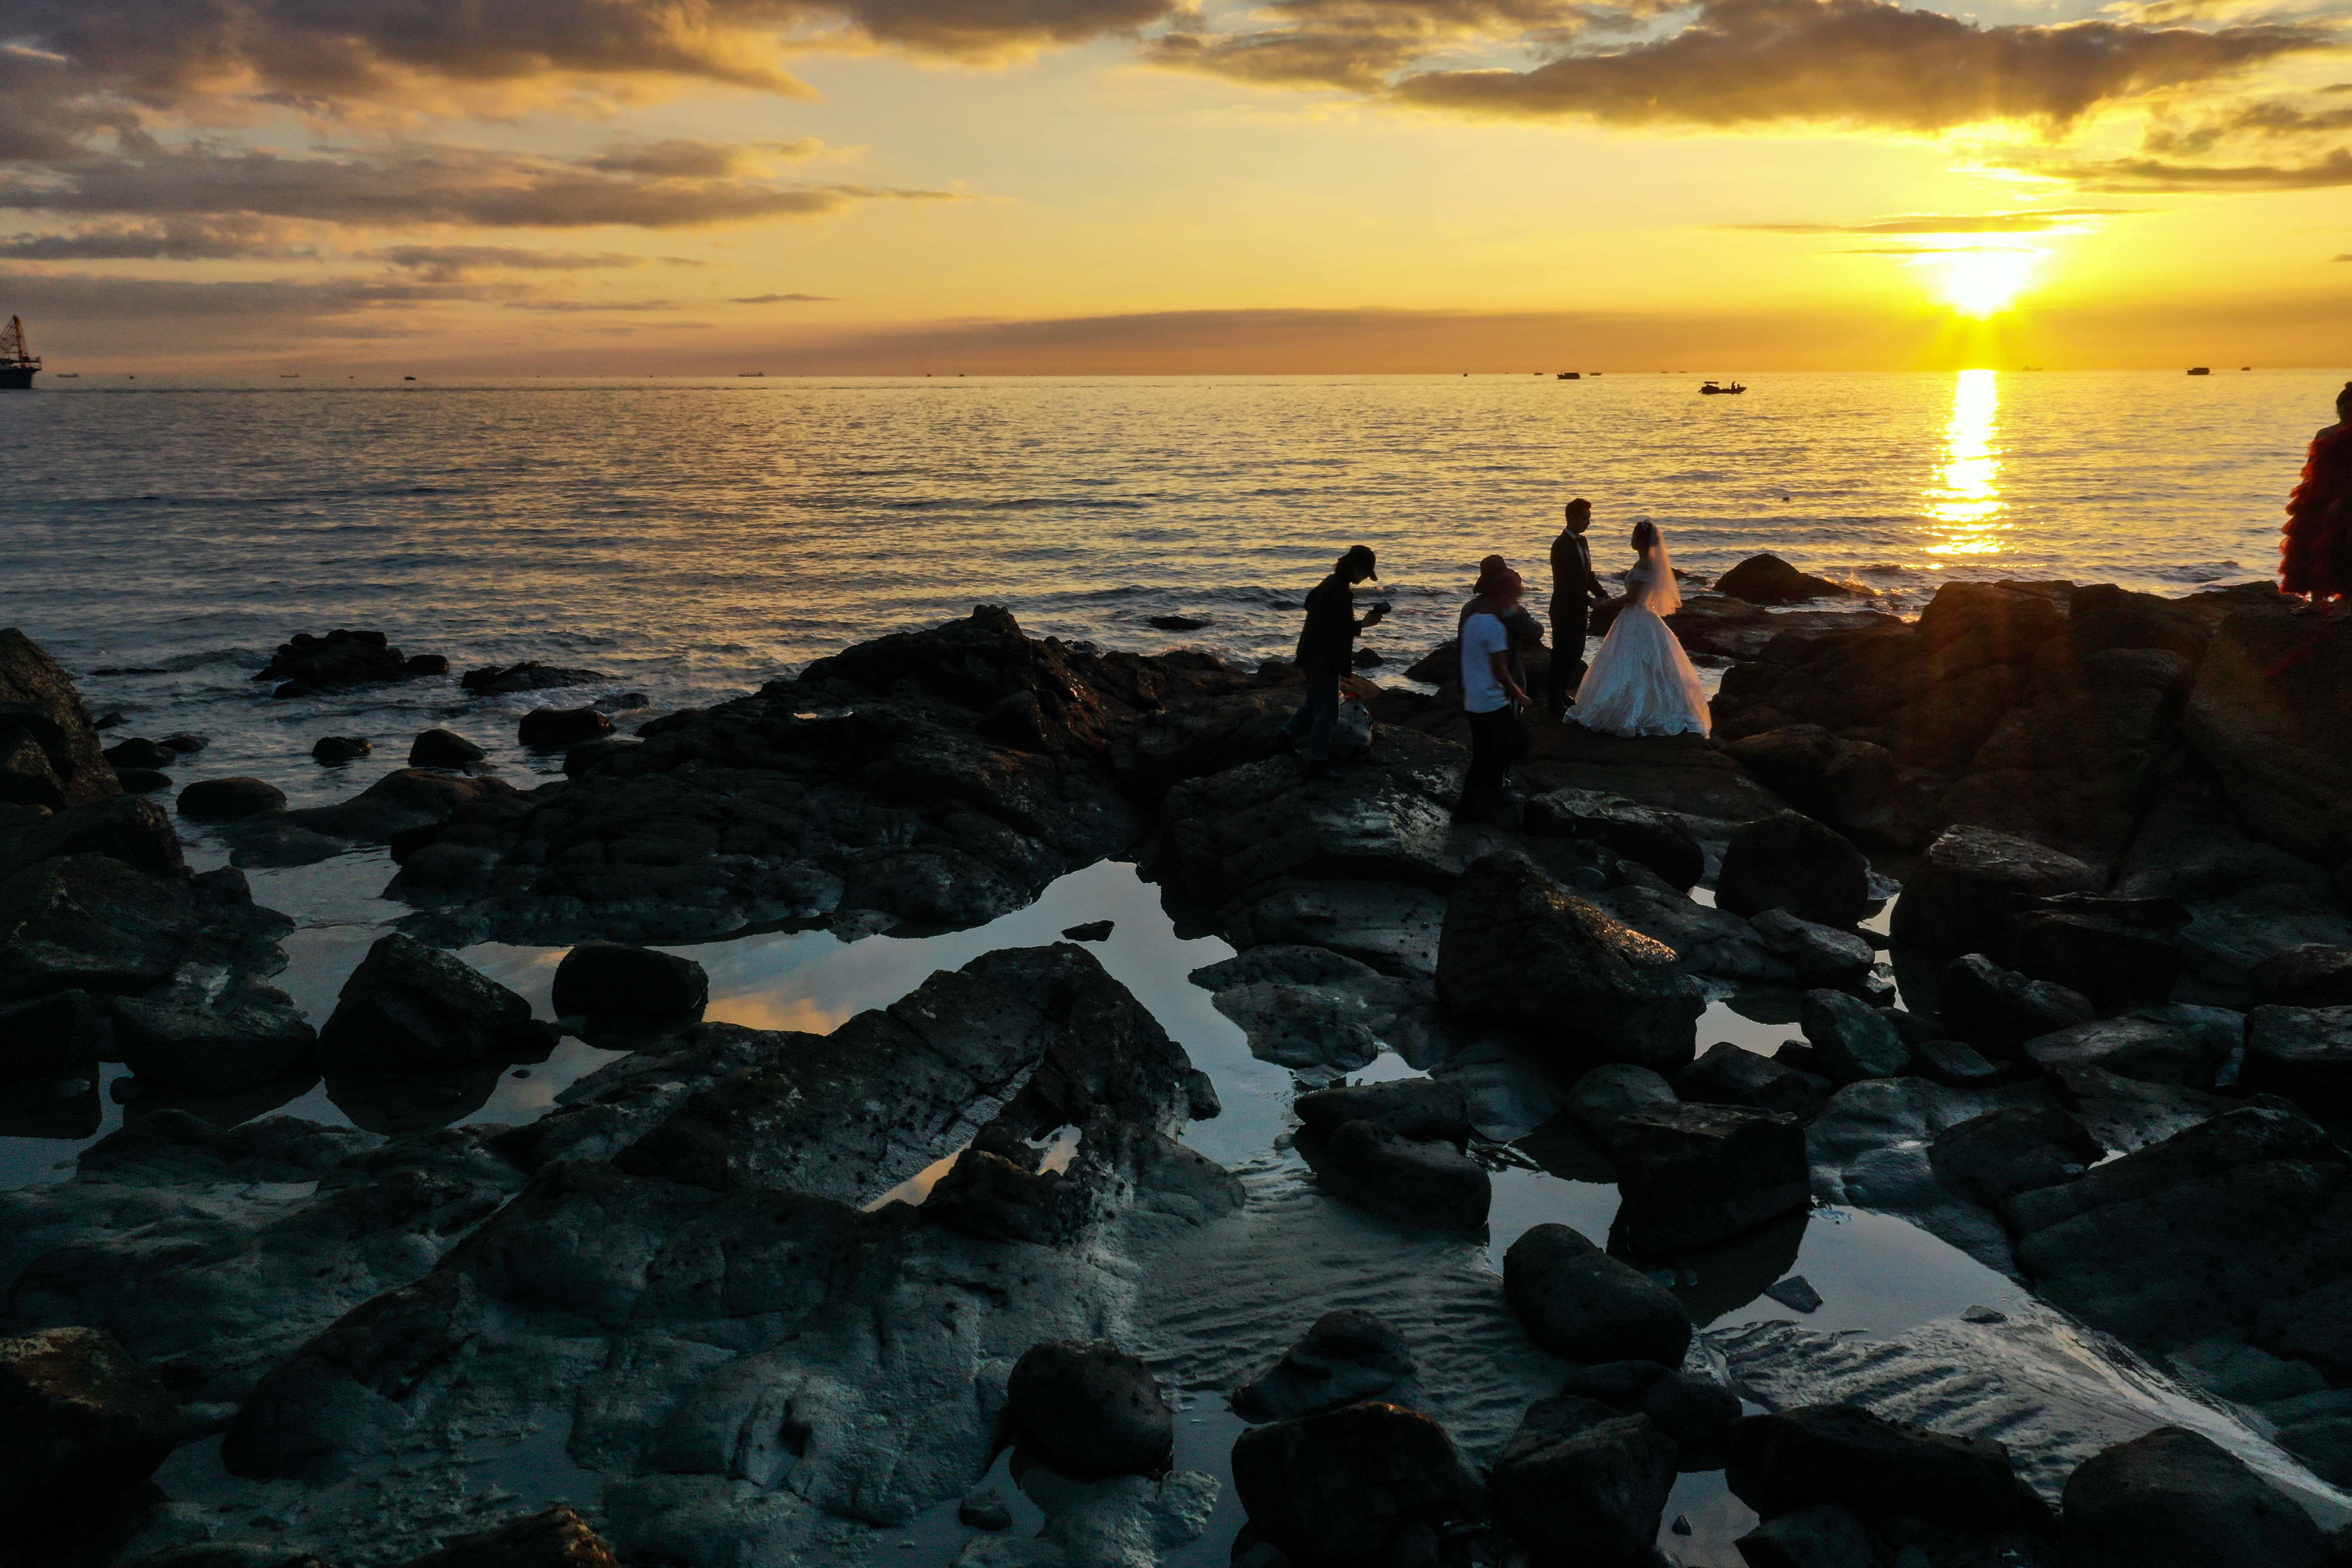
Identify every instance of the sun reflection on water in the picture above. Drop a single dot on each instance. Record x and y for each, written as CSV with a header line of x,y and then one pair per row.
x,y
1964,503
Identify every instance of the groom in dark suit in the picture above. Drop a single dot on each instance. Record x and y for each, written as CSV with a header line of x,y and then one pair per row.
x,y
1574,590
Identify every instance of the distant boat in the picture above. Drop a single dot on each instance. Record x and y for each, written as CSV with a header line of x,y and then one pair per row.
x,y
2029,367
18,365
68,375
408,378
1571,375
740,373
2245,367
289,375
2200,370
1712,389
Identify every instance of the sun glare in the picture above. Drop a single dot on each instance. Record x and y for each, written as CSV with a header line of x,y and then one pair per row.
x,y
1981,283
1964,505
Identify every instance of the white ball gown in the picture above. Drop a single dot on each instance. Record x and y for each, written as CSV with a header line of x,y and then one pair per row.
x,y
1641,682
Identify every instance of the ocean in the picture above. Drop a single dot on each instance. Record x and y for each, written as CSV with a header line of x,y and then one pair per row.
x,y
692,539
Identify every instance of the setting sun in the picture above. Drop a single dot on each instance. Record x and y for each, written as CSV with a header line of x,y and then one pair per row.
x,y
1981,283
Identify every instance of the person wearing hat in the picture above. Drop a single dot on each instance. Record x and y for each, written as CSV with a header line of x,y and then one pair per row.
x,y
1327,648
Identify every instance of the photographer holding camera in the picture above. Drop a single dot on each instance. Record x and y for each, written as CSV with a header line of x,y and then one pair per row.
x,y
1327,648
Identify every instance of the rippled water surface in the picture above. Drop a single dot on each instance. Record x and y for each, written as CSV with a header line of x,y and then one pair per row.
x,y
692,539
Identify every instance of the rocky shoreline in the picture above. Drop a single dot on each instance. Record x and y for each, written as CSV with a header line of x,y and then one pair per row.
x,y
2102,1047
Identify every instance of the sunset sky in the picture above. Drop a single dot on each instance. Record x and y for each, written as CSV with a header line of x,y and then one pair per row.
x,y
704,186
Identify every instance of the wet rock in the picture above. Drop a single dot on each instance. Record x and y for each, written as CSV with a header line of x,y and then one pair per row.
x,y
1517,948
585,758
2302,1053
2002,1154
619,988
1842,1455
1314,1011
1729,1075
2311,974
1088,930
984,1508
1954,1064
332,749
409,1007
1852,1039
1091,1408
1972,881
2116,963
2139,1048
1416,1108
1820,954
1581,1482
401,802
2194,1235
1347,1484
1793,863
229,800
1604,1096
136,832
138,751
1707,942
1412,1182
1346,1357
1769,580
1997,1010
2175,1499
1637,833
1179,622
143,781
443,749
501,680
2266,714
200,1039
305,664
48,1036
79,1422
1582,1305
1692,1175
2312,1326
1796,1293
89,922
557,729
49,753
557,1538
1692,1410
1821,1536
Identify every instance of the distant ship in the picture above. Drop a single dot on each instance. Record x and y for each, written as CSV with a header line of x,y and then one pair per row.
x,y
18,364
1571,375
2200,370
1712,390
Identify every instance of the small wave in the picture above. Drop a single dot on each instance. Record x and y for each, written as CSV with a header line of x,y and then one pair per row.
x,y
2197,572
1021,503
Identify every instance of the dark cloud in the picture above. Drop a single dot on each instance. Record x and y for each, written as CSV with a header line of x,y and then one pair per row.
x,y
466,260
782,300
1867,62
684,157
179,239
414,184
2266,120
573,306
2121,175
101,311
1361,44
2040,221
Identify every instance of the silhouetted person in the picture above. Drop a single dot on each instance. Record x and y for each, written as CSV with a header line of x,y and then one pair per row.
x,y
2315,556
1527,632
1327,648
1491,693
1574,590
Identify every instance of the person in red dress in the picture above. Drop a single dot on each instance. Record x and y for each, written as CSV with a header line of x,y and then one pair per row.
x,y
2315,556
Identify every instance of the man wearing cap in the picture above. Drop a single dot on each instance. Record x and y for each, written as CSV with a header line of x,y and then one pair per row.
x,y
1325,652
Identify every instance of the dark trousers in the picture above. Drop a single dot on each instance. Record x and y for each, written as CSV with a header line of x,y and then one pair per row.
x,y
1317,717
1495,745
1568,625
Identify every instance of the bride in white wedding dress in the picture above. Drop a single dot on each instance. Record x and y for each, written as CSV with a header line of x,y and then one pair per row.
x,y
1641,682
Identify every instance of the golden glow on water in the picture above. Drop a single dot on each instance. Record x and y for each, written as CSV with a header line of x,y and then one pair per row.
x,y
1981,283
1965,504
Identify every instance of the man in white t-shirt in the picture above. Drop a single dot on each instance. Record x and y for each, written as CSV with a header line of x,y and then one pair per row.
x,y
1491,694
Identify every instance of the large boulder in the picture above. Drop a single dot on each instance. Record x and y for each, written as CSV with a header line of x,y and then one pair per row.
x,y
199,1040
1731,1075
1346,1356
1844,1455
2309,975
1791,862
1692,1175
2175,1498
306,665
89,922
560,729
1769,580
1997,1010
1651,839
229,799
1517,948
2118,953
2145,1049
1852,1039
138,833
440,748
507,679
1990,1158
1410,1180
1824,1535
1091,1408
1581,1482
1584,1306
1820,954
1972,881
2303,1053
1694,1411
1419,1108
1608,1093
413,1009
1345,1485
79,1422
2268,715
51,1037
617,986
50,754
